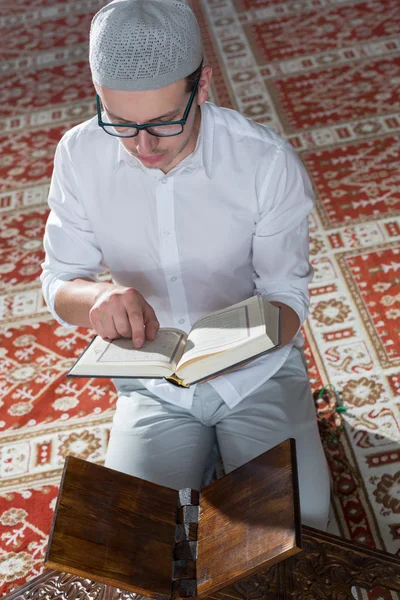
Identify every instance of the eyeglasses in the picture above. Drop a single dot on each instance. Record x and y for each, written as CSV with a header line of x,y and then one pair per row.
x,y
167,129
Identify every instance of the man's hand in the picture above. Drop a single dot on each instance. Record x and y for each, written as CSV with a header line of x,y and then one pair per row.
x,y
113,311
123,312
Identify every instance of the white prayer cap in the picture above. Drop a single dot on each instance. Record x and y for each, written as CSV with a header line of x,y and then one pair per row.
x,y
140,45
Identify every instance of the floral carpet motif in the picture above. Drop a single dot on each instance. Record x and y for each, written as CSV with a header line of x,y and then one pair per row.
x,y
325,74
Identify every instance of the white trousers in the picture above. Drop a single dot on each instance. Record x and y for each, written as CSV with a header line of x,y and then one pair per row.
x,y
172,446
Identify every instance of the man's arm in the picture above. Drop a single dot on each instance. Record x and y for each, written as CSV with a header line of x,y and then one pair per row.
x,y
282,270
72,262
113,311
280,245
75,299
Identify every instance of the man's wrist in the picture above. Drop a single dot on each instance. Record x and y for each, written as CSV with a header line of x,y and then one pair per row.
x,y
100,288
290,322
75,299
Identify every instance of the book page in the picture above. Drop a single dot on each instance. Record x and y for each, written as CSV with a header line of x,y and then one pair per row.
x,y
166,348
225,329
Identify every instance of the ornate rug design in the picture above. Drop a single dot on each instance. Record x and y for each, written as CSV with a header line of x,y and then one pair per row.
x,y
325,74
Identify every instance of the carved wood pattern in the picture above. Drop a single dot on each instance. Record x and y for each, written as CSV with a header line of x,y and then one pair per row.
x,y
320,571
53,585
327,568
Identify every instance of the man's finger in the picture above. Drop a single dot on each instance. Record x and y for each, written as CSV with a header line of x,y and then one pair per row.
x,y
151,330
108,330
102,324
151,322
122,324
137,326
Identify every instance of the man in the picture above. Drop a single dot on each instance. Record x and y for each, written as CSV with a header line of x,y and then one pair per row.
x,y
192,208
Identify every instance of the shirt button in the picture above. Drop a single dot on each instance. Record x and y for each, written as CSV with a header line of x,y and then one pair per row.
x,y
164,180
174,278
181,321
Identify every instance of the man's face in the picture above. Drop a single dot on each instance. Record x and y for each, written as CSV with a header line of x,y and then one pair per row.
x,y
165,104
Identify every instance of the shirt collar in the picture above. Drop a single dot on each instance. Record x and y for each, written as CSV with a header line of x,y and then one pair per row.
x,y
200,157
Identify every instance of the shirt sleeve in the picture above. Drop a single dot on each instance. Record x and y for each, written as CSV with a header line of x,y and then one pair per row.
x,y
282,270
70,245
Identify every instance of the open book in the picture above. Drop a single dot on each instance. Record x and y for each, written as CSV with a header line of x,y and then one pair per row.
x,y
215,343
145,538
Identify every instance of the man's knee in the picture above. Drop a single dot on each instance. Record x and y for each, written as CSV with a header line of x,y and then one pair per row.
x,y
315,496
316,514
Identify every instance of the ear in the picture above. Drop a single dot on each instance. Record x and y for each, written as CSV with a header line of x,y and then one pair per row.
x,y
204,85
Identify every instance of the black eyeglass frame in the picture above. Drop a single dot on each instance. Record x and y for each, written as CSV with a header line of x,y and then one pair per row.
x,y
146,126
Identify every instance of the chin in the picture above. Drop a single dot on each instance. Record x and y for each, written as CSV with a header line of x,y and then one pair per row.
x,y
152,161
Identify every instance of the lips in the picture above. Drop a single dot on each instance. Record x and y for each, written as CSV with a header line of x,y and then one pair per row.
x,y
150,159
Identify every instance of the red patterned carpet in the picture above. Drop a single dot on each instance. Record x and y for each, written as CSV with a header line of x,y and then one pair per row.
x,y
326,75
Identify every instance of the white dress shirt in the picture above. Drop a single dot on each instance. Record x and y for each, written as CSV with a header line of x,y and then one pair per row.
x,y
229,221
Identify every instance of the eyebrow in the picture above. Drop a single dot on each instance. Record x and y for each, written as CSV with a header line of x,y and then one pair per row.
x,y
171,113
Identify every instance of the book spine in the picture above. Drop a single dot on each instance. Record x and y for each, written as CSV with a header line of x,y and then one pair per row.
x,y
176,380
184,582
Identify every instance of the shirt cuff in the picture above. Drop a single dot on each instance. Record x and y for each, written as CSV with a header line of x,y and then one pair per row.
x,y
52,290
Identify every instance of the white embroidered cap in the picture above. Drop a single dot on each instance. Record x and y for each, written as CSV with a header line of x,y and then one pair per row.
x,y
140,45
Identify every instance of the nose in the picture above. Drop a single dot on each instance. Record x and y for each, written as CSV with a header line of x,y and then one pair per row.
x,y
145,143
